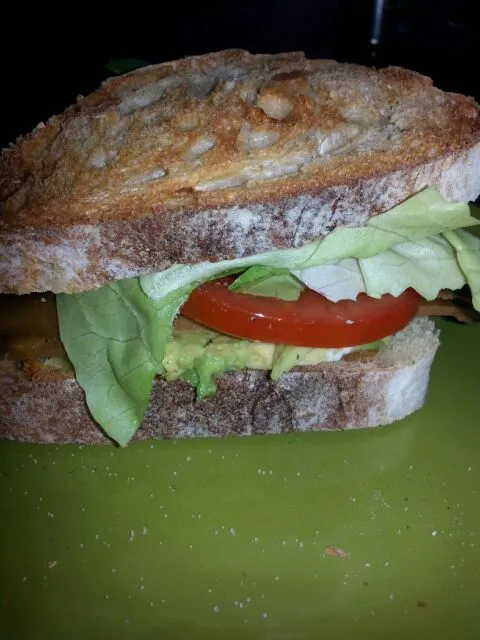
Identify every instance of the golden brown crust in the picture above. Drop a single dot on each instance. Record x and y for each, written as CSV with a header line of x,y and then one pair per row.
x,y
153,166
396,118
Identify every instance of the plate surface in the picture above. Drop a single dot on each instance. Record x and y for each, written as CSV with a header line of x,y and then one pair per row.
x,y
232,538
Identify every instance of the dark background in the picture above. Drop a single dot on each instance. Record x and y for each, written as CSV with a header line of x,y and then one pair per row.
x,y
50,55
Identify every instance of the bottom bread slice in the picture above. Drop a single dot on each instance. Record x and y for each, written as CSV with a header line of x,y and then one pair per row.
x,y
46,405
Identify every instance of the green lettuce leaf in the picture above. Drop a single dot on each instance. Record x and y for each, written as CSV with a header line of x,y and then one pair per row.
x,y
425,214
115,337
446,261
269,282
468,255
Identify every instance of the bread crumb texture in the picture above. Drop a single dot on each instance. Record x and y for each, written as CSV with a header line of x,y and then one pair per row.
x,y
196,132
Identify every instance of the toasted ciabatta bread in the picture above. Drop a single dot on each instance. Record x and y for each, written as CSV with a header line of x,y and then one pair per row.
x,y
220,156
42,404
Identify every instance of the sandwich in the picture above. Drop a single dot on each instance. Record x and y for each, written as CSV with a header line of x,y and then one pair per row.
x,y
234,244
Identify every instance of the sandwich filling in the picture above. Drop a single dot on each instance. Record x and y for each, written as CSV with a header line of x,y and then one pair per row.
x,y
348,292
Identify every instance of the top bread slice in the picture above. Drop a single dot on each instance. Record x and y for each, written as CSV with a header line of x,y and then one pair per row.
x,y
220,156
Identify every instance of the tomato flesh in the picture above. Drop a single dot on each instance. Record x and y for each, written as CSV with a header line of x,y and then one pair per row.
x,y
311,321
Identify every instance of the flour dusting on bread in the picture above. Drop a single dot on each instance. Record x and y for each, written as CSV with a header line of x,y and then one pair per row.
x,y
223,155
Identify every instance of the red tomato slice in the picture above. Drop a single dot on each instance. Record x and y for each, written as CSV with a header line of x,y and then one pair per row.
x,y
311,321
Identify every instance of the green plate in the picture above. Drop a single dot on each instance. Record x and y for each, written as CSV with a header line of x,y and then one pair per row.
x,y
232,538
